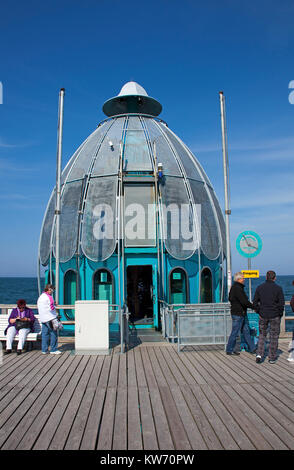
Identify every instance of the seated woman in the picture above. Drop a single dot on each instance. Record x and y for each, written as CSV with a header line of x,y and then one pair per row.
x,y
25,314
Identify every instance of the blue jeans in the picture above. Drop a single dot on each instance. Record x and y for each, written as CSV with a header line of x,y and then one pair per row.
x,y
240,324
49,337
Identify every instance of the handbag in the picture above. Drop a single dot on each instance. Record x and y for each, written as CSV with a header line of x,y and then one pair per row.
x,y
19,324
57,325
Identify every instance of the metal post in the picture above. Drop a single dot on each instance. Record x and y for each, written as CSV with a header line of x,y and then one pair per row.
x,y
250,287
58,191
226,186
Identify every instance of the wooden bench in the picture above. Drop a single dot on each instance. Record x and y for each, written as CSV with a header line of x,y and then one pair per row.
x,y
35,336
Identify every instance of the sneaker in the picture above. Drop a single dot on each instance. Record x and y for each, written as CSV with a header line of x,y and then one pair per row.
x,y
290,358
272,361
233,353
45,352
8,351
55,352
18,352
258,359
253,352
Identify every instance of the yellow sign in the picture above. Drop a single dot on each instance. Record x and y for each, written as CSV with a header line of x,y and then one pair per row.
x,y
249,273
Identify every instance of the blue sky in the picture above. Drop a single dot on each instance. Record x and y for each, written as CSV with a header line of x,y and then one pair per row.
x,y
183,54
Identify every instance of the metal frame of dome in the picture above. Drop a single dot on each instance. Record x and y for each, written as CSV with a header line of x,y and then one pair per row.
x,y
132,99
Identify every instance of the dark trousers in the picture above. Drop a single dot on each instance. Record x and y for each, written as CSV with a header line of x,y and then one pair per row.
x,y
274,324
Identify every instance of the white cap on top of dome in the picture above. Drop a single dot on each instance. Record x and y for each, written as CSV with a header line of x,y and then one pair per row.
x,y
132,88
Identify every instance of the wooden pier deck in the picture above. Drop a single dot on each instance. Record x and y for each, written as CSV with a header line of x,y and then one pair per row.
x,y
150,398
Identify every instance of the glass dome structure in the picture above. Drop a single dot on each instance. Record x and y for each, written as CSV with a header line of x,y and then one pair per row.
x,y
134,158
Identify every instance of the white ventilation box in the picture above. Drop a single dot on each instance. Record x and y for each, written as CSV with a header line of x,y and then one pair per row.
x,y
91,327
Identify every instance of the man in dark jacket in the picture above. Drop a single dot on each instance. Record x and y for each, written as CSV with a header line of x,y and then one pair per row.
x,y
239,304
269,302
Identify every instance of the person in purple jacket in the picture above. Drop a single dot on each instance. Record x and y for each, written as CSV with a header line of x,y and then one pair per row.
x,y
21,312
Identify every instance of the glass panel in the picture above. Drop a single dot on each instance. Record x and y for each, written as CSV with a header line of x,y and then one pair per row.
x,y
99,227
46,230
103,286
70,205
81,165
220,217
177,218
210,243
178,287
206,286
139,215
164,153
189,164
136,151
107,162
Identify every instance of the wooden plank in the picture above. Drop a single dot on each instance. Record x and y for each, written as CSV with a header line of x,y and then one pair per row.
x,y
22,418
179,436
224,436
161,424
212,375
172,364
17,370
239,411
185,372
113,375
148,427
257,422
53,408
160,379
132,377
227,373
228,419
274,418
134,421
190,366
209,436
192,359
141,379
27,382
90,437
165,370
107,422
76,433
69,402
192,431
120,435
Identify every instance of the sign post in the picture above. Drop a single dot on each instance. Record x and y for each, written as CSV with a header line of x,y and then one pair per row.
x,y
249,244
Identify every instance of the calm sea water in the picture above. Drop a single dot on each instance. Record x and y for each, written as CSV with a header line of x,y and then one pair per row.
x,y
14,288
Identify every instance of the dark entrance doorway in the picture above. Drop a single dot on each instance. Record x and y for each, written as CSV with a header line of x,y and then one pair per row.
x,y
140,294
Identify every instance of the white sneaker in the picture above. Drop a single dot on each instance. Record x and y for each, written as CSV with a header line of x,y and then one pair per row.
x,y
291,357
45,352
55,352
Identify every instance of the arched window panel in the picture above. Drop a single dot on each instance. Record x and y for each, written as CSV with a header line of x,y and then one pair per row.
x,y
71,161
210,242
45,239
178,282
103,286
82,163
136,151
107,161
164,154
99,219
220,218
70,205
70,292
188,164
206,286
177,218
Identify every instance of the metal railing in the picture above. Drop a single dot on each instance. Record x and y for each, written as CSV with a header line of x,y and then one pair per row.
x,y
113,311
170,312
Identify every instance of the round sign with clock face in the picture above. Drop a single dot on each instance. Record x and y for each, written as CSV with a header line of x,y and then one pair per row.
x,y
249,244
